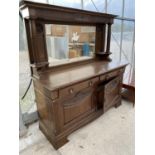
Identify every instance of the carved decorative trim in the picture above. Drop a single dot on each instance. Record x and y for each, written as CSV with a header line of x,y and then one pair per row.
x,y
39,28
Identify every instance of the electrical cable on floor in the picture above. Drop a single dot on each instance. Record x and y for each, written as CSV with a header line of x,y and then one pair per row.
x,y
27,89
20,14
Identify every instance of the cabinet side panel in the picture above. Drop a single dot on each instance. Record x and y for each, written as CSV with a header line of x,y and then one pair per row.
x,y
45,111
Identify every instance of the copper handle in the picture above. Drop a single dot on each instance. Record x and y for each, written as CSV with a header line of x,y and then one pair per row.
x,y
90,83
71,91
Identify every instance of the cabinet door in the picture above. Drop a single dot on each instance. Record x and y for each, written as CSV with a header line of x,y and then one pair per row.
x,y
112,93
79,106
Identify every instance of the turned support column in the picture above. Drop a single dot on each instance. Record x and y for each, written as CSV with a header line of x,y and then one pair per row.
x,y
100,38
103,38
108,38
37,46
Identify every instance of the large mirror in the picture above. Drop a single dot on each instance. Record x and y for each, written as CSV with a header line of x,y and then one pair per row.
x,y
69,43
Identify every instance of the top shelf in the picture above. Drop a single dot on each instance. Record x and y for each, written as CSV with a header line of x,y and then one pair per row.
x,y
33,10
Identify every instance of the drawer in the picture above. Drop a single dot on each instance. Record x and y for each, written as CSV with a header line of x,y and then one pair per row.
x,y
112,74
78,87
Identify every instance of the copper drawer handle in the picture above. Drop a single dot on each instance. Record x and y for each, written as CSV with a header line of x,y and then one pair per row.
x,y
71,91
90,83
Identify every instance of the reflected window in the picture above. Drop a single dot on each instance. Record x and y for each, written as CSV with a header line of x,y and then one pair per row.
x,y
67,43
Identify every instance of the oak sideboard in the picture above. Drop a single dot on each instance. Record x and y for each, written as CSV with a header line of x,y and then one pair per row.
x,y
70,95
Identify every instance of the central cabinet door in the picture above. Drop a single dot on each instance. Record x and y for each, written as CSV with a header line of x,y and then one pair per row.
x,y
112,93
77,101
109,93
78,106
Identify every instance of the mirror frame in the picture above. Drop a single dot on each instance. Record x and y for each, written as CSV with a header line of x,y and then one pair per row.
x,y
36,15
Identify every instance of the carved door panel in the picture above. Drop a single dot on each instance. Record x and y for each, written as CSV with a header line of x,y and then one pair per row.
x,y
112,93
78,106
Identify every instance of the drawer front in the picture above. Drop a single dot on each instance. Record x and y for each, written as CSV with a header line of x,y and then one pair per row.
x,y
78,87
77,106
109,75
112,74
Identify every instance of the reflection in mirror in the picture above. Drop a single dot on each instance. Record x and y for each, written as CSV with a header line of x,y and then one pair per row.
x,y
67,43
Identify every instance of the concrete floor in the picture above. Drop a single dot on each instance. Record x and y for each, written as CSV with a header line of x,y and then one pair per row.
x,y
110,134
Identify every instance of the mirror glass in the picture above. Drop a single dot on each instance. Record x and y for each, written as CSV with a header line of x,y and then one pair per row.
x,y
69,43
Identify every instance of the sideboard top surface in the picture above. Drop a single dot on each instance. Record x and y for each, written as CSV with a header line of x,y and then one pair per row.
x,y
60,79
